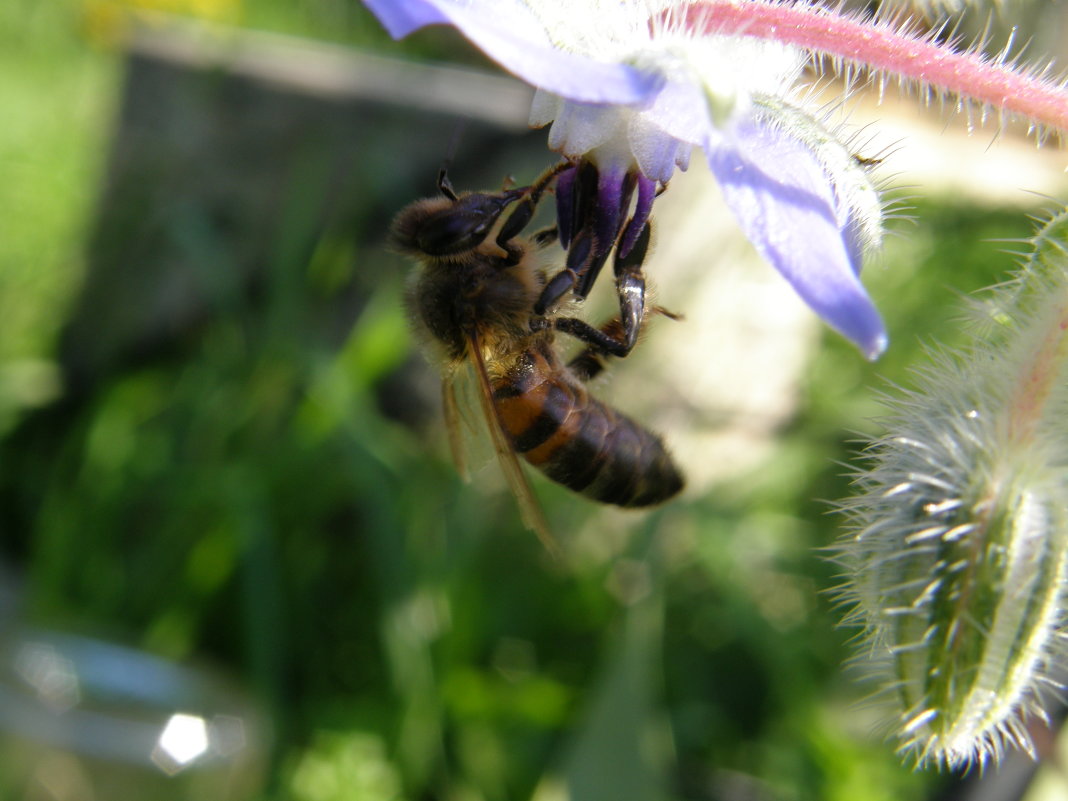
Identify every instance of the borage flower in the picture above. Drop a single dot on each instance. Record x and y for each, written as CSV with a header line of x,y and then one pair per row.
x,y
632,87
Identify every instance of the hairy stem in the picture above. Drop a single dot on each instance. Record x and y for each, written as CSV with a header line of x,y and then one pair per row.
x,y
879,47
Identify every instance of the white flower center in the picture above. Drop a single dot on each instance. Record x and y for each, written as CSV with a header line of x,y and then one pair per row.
x,y
708,80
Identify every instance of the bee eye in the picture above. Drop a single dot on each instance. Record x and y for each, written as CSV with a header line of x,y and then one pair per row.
x,y
453,232
463,225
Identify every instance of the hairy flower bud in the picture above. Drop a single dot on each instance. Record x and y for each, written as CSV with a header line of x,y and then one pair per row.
x,y
957,557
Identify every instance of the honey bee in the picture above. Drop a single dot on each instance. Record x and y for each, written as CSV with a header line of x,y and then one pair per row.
x,y
473,298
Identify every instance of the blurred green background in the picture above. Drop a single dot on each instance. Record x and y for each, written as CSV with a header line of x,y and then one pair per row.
x,y
219,445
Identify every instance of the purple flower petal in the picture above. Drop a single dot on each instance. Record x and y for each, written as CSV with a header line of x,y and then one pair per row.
x,y
565,205
642,209
512,35
606,222
400,19
786,205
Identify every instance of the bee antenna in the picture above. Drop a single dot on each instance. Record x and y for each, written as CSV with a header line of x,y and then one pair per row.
x,y
444,184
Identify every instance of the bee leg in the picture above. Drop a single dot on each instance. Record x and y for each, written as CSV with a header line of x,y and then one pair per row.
x,y
630,287
526,206
608,340
592,361
619,337
579,256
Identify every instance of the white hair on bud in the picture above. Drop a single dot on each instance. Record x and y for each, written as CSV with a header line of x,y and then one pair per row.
x,y
956,555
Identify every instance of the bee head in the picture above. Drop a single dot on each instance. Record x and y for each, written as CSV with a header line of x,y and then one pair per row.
x,y
450,226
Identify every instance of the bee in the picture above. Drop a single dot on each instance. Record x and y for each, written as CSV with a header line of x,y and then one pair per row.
x,y
473,297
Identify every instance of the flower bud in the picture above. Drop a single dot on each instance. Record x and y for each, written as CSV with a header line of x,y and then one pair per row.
x,y
957,554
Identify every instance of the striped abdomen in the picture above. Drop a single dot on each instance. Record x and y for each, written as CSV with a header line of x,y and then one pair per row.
x,y
577,441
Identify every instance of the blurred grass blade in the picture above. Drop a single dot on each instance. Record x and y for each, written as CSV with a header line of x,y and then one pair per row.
x,y
617,755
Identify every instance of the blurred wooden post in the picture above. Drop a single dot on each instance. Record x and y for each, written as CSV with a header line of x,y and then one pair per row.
x,y
234,155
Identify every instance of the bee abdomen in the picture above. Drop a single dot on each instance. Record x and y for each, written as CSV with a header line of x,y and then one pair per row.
x,y
584,444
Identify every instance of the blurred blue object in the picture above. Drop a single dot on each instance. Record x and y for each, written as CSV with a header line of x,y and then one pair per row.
x,y
83,719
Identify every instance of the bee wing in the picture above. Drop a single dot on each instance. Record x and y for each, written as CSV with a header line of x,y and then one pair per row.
x,y
469,444
453,423
529,509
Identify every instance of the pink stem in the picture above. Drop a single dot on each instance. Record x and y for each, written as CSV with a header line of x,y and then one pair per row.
x,y
879,47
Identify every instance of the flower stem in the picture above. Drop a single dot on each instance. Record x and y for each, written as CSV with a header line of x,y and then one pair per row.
x,y
880,47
